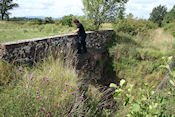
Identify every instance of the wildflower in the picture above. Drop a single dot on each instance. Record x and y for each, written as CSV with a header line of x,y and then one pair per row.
x,y
47,79
77,88
18,96
37,97
40,99
58,106
81,97
43,109
96,108
44,77
55,80
77,94
48,114
37,92
44,97
72,93
66,84
20,69
21,73
64,89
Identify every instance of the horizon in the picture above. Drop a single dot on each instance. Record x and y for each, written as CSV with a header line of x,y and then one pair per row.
x,y
44,8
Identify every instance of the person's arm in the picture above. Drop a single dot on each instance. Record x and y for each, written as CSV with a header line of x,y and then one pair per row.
x,y
76,31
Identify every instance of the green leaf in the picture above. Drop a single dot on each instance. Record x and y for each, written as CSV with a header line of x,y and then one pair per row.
x,y
122,82
173,74
170,59
172,82
112,85
154,111
165,66
116,95
136,107
126,101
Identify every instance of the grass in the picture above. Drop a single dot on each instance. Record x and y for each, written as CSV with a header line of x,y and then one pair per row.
x,y
50,88
12,31
170,28
47,85
106,26
137,59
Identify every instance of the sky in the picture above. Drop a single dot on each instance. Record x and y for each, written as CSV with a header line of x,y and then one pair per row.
x,y
59,8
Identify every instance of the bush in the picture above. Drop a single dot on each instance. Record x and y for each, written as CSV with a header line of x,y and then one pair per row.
x,y
39,21
134,26
48,20
169,17
67,20
170,27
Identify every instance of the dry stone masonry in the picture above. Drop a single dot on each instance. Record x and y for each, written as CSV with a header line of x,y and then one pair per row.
x,y
32,50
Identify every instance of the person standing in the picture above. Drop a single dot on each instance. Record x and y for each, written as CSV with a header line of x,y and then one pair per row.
x,y
81,36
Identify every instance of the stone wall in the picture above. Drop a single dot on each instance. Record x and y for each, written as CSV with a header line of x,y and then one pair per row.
x,y
27,51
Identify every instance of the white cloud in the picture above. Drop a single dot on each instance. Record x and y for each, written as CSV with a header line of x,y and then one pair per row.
x,y
53,8
142,8
59,8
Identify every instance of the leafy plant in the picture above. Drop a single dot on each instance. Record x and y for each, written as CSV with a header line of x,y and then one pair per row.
x,y
145,101
133,26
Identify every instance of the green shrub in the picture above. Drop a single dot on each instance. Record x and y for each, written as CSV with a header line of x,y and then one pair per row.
x,y
174,34
67,20
169,17
134,26
147,100
39,21
48,20
170,27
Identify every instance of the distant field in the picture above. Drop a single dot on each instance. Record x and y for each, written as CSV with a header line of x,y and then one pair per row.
x,y
10,31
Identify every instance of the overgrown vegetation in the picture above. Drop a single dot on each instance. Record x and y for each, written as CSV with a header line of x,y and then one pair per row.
x,y
133,26
147,101
48,89
137,51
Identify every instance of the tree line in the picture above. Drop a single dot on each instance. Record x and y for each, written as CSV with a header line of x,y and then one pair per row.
x,y
96,12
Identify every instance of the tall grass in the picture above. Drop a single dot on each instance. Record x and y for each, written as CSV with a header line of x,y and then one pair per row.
x,y
137,58
48,88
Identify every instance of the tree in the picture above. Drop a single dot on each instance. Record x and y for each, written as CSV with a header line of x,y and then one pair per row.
x,y
67,20
157,14
5,6
48,20
170,16
100,11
